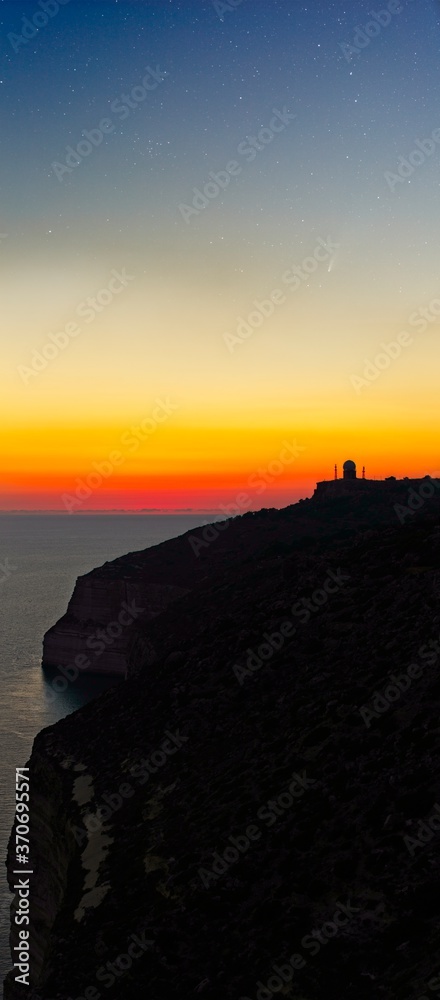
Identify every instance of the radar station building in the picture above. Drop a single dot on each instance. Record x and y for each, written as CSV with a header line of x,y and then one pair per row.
x,y
349,469
350,483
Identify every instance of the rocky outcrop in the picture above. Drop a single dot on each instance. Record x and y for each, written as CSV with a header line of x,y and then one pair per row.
x,y
99,620
257,803
111,605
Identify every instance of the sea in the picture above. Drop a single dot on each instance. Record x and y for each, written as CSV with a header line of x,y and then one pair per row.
x,y
41,555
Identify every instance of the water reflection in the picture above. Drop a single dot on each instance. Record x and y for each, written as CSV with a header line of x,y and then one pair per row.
x,y
86,687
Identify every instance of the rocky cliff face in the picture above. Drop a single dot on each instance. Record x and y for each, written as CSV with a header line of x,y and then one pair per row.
x,y
99,621
254,810
98,625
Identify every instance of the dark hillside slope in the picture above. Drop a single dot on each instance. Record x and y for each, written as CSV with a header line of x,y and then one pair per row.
x,y
282,793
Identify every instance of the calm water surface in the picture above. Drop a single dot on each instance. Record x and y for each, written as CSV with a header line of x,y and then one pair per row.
x,y
47,553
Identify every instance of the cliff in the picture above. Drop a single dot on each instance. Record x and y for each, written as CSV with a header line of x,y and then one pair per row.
x,y
254,809
112,604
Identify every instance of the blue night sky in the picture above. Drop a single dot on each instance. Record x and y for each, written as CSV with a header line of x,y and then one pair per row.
x,y
220,80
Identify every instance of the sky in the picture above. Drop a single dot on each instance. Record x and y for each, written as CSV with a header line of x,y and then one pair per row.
x,y
215,219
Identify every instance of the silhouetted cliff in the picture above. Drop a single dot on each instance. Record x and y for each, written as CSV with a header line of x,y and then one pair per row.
x,y
256,808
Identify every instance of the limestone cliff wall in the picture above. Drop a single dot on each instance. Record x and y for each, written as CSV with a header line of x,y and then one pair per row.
x,y
99,623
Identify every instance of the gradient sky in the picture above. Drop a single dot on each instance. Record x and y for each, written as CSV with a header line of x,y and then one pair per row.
x,y
225,408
